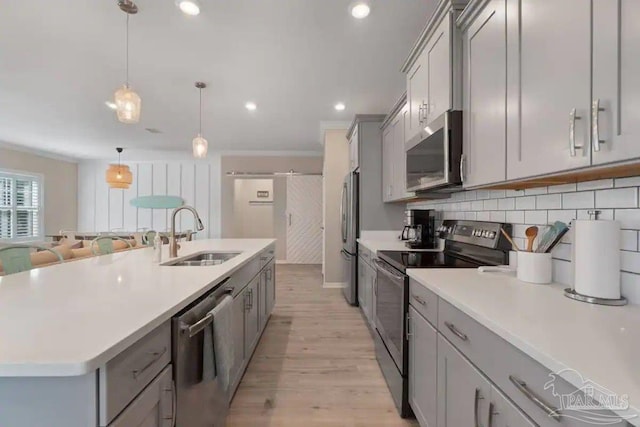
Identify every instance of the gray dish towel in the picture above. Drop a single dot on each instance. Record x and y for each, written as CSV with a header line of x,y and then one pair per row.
x,y
218,348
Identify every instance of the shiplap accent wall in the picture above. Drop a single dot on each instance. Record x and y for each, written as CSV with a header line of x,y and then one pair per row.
x,y
618,199
103,209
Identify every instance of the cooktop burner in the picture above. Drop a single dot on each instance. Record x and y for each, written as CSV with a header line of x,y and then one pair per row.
x,y
407,259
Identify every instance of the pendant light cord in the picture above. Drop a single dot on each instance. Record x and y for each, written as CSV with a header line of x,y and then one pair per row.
x,y
200,131
127,54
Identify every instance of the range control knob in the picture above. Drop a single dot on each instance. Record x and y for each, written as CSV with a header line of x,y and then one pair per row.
x,y
492,235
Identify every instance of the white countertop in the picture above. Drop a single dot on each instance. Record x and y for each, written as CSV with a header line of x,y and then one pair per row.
x,y
70,319
389,245
601,343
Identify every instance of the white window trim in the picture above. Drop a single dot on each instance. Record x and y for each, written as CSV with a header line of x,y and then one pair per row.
x,y
36,177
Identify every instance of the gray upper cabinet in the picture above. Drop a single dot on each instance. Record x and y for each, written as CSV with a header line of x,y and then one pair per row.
x,y
555,84
354,148
423,369
388,163
417,95
394,164
484,95
463,393
616,85
438,55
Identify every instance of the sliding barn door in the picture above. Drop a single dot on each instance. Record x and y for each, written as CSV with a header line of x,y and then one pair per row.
x,y
304,219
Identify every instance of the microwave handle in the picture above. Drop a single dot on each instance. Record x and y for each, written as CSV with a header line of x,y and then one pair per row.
x,y
463,159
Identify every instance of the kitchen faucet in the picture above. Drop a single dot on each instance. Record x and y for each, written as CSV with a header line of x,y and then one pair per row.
x,y
173,243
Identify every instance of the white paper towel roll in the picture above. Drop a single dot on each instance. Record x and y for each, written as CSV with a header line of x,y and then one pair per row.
x,y
596,258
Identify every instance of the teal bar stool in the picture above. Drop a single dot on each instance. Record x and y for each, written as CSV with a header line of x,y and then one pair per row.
x,y
17,258
103,245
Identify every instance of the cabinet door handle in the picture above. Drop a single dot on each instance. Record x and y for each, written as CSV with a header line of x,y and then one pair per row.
x,y
572,133
476,405
595,124
155,356
537,400
491,414
174,403
406,326
456,332
420,114
420,300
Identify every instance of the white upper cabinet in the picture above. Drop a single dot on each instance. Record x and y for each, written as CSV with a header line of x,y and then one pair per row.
x,y
554,65
484,96
615,107
438,57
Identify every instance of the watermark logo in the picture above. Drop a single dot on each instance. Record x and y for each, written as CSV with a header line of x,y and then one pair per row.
x,y
590,403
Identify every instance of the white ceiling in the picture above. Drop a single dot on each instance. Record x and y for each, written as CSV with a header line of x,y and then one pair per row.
x,y
61,60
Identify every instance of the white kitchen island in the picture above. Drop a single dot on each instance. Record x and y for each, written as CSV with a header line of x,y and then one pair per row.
x,y
60,325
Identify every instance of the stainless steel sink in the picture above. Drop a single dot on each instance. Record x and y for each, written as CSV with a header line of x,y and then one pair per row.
x,y
203,259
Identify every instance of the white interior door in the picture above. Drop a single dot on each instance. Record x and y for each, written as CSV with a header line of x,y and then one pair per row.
x,y
304,219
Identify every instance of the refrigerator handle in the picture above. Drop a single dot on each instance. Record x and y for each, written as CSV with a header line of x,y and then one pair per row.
x,y
343,216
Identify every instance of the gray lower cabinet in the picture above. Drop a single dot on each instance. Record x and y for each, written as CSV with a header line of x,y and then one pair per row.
x,y
270,294
251,325
503,413
238,310
154,407
463,393
423,369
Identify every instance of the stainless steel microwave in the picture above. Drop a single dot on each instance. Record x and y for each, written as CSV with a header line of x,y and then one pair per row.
x,y
434,155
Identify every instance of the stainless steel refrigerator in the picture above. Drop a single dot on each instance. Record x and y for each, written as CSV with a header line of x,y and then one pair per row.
x,y
349,218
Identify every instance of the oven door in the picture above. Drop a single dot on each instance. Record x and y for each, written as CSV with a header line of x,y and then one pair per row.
x,y
391,307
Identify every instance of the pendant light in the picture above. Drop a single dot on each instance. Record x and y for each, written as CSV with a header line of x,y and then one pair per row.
x,y
119,176
128,103
200,145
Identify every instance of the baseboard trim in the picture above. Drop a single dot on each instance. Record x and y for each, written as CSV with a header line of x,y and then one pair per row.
x,y
333,285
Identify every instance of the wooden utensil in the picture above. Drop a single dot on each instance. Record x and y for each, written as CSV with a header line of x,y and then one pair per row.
x,y
531,233
513,244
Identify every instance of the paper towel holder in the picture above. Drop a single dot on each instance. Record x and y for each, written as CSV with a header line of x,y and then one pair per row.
x,y
571,293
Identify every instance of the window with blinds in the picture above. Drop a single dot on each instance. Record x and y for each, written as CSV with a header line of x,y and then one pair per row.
x,y
20,206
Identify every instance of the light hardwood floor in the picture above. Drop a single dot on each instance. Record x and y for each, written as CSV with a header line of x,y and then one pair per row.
x,y
315,364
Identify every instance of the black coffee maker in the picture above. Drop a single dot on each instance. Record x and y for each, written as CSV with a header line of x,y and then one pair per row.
x,y
419,229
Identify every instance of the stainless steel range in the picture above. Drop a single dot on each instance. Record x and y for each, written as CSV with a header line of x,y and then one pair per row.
x,y
468,244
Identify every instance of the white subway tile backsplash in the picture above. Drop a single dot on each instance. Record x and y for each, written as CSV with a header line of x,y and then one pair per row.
x,y
565,216
595,185
628,218
618,198
515,217
629,240
563,188
603,214
630,262
483,216
507,204
562,272
549,201
630,287
535,217
535,191
498,216
562,251
491,205
523,203
581,200
634,181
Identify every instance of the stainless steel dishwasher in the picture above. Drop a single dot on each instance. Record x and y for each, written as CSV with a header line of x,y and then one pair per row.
x,y
201,399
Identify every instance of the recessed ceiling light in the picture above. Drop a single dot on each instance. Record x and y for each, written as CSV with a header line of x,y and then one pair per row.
x,y
251,106
189,7
339,106
112,105
360,10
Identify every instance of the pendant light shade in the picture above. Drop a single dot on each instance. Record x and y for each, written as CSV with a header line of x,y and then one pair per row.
x,y
200,145
119,175
128,103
